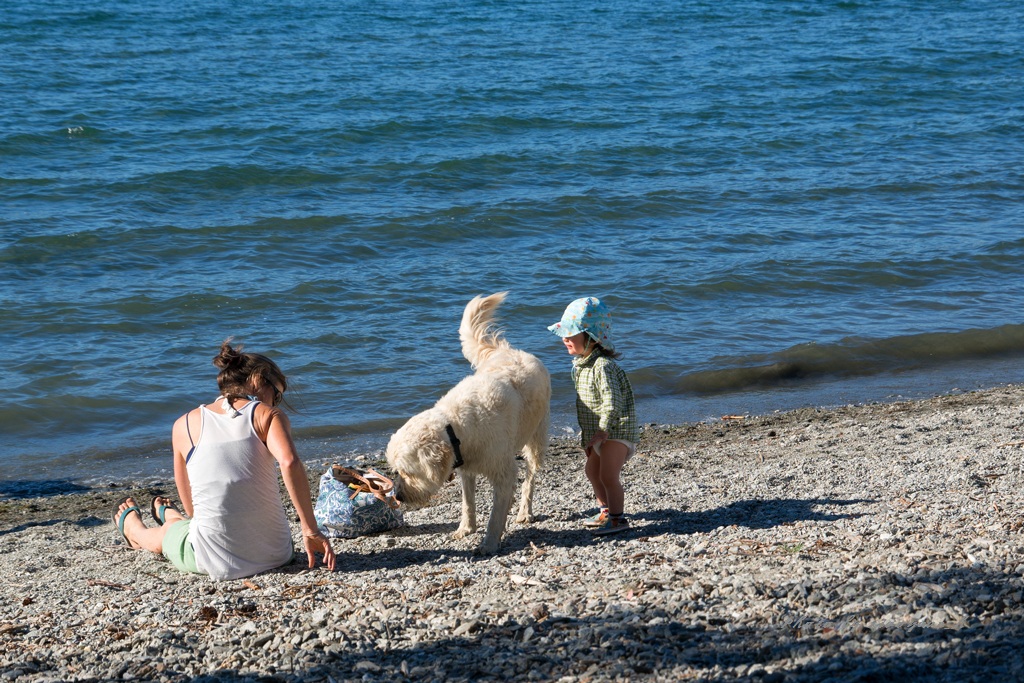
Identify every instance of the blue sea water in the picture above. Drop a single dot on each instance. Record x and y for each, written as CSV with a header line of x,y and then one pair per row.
x,y
785,203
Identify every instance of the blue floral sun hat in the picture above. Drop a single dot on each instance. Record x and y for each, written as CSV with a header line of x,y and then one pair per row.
x,y
589,315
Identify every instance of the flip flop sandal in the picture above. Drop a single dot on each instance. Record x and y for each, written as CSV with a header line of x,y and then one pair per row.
x,y
118,518
159,512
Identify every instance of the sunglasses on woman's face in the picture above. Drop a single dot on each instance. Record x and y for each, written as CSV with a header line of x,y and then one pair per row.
x,y
278,395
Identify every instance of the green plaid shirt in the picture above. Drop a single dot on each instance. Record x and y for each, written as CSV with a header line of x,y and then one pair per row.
x,y
604,399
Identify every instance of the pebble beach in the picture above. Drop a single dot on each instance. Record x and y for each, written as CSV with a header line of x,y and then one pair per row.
x,y
860,543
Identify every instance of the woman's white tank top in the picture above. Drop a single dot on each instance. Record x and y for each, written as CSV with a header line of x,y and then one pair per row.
x,y
239,527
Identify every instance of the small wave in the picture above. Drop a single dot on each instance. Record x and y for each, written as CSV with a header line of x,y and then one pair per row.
x,y
26,488
850,358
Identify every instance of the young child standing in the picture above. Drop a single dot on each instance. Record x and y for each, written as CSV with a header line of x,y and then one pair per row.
x,y
604,406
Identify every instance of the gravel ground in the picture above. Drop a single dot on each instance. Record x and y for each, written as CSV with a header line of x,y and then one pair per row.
x,y
863,543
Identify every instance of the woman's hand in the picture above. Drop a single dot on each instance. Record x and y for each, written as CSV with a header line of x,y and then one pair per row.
x,y
316,542
279,441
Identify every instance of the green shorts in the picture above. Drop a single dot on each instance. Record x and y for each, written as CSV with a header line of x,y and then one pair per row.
x,y
178,549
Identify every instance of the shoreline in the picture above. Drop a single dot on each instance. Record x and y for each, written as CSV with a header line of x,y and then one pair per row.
x,y
864,542
318,446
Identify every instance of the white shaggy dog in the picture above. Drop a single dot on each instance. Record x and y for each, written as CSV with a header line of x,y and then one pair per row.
x,y
484,421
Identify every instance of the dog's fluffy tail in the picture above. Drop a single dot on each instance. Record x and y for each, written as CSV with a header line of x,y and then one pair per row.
x,y
480,338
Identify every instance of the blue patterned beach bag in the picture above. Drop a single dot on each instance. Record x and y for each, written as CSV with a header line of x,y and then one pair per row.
x,y
353,503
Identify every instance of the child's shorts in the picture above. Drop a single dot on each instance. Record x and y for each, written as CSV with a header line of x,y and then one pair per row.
x,y
178,548
630,446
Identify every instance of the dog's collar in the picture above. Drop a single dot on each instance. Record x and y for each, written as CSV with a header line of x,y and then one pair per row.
x,y
455,446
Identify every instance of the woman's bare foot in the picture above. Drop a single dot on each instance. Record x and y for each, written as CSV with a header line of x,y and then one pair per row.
x,y
165,511
128,520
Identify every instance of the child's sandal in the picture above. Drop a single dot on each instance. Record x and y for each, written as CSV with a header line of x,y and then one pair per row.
x,y
597,520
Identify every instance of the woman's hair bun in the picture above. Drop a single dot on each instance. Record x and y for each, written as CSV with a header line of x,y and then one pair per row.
x,y
242,373
229,356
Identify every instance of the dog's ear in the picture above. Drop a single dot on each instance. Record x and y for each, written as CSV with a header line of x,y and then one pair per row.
x,y
435,455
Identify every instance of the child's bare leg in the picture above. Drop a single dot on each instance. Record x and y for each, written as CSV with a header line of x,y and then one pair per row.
x,y
593,471
613,457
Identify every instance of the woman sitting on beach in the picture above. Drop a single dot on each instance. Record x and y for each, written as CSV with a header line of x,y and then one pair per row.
x,y
224,468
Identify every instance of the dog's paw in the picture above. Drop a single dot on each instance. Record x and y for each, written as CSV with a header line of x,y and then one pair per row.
x,y
486,548
462,532
524,518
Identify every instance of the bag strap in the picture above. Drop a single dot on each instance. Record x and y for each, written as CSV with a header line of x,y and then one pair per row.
x,y
373,482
